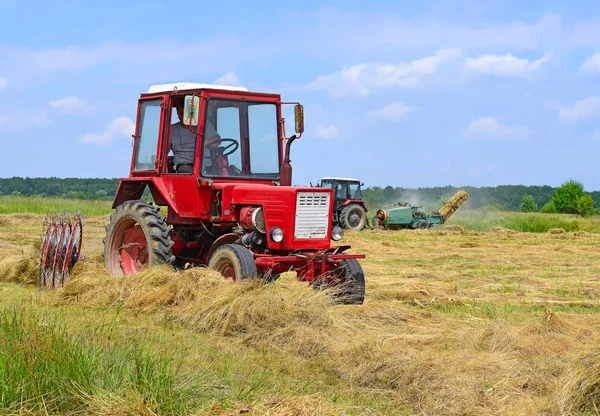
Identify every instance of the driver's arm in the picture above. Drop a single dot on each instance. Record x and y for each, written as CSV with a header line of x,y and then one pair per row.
x,y
211,136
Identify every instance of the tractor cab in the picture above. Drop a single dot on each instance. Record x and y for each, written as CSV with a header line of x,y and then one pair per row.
x,y
218,159
349,209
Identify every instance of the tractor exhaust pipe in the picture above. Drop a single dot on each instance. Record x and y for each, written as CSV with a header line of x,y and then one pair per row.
x,y
285,172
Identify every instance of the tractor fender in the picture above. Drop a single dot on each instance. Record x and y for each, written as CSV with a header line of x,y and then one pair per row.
x,y
129,190
133,189
229,238
356,201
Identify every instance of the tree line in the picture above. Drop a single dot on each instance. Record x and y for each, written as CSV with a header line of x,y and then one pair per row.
x,y
500,198
71,188
504,197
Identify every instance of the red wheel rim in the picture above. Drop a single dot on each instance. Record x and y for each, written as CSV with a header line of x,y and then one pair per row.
x,y
129,248
43,251
73,251
227,270
46,272
59,253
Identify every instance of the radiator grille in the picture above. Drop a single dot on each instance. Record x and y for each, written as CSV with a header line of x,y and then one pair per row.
x,y
312,215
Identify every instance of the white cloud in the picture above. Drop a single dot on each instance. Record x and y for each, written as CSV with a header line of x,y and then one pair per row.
x,y
76,57
228,79
326,132
119,127
3,83
365,78
70,104
363,31
22,121
506,65
392,112
491,127
592,64
586,108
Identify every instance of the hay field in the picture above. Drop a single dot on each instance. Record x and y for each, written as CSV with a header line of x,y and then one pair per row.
x,y
454,323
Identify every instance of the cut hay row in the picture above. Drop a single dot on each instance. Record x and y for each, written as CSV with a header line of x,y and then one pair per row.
x,y
454,323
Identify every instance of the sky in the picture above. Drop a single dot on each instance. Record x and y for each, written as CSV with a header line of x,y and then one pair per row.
x,y
409,94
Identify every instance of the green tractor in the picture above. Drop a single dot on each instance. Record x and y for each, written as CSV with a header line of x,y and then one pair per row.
x,y
349,209
404,215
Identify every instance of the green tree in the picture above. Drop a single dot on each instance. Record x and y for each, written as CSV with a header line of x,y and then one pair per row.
x,y
565,198
548,208
528,204
585,205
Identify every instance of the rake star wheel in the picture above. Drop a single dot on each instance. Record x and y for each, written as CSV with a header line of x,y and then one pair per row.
x,y
60,249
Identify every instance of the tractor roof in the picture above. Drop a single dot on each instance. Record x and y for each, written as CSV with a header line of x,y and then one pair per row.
x,y
183,86
340,179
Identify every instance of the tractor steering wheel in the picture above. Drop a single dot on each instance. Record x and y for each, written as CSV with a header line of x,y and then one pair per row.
x,y
230,148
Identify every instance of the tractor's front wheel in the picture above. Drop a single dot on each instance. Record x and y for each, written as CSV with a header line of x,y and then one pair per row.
x,y
136,237
234,262
353,217
347,282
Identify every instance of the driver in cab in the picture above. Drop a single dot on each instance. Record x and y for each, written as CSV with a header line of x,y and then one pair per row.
x,y
183,144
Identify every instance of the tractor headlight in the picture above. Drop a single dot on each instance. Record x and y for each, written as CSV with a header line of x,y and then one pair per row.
x,y
258,220
276,234
337,233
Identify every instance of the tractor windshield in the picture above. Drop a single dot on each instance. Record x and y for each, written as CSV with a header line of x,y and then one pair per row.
x,y
240,139
355,191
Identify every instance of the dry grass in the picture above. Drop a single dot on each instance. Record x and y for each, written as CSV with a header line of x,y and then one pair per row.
x,y
454,323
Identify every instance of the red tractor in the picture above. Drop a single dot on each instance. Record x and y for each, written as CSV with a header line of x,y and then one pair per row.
x,y
230,203
349,209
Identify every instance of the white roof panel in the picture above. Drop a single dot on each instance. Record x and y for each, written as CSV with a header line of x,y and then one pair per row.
x,y
182,86
340,179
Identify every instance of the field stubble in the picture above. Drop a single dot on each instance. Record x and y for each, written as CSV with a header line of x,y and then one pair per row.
x,y
466,323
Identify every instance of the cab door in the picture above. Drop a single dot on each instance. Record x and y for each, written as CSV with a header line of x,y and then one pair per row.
x,y
150,117
190,200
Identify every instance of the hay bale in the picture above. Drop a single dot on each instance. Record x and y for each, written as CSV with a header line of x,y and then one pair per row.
x,y
21,268
581,385
556,231
502,230
552,323
454,228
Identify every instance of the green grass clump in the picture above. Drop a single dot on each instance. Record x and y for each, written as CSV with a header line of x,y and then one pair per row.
x,y
524,222
42,205
45,369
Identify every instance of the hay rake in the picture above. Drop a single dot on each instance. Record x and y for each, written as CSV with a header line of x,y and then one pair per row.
x,y
60,249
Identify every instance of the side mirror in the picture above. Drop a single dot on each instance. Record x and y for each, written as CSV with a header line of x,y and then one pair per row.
x,y
362,184
299,118
191,109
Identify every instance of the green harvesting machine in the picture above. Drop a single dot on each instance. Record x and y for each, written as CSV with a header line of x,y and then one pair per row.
x,y
405,215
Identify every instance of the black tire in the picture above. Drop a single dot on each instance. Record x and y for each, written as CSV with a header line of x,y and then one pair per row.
x,y
422,225
347,282
353,217
136,217
235,262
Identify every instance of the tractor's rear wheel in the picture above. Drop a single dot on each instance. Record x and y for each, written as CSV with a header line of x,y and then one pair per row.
x,y
347,282
136,237
353,217
234,262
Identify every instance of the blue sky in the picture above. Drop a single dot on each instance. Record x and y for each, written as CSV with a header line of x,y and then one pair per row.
x,y
411,94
